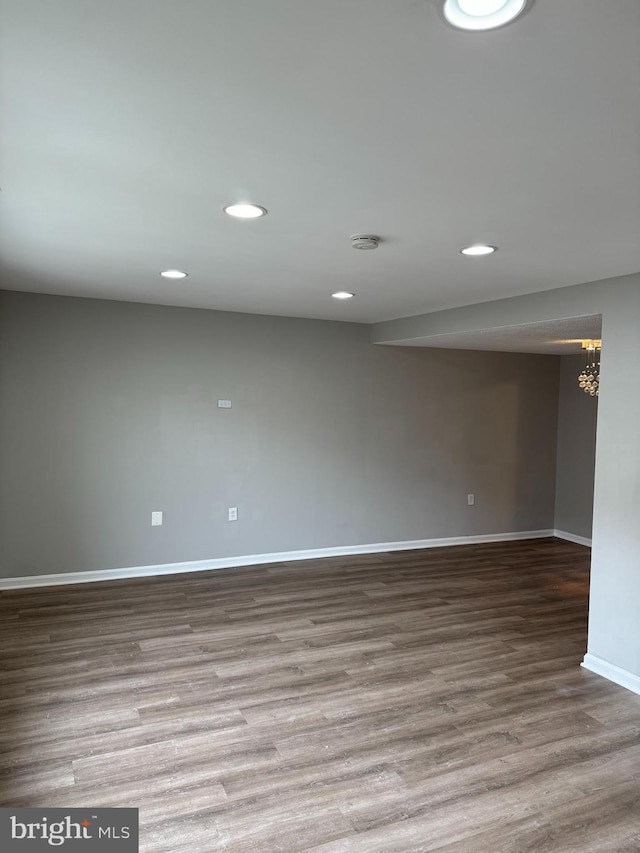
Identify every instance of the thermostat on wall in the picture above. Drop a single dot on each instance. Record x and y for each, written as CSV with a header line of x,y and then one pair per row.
x,y
224,404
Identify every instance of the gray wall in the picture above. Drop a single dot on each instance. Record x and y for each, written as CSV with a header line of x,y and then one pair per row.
x,y
575,464
108,411
614,608
614,612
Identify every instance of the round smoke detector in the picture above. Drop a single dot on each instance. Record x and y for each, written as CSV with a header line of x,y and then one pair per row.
x,y
365,241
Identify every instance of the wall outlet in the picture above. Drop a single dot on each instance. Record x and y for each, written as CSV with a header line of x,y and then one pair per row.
x,y
233,513
156,519
471,499
224,404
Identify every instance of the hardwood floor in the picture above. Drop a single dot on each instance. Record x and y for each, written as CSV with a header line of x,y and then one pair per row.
x,y
414,701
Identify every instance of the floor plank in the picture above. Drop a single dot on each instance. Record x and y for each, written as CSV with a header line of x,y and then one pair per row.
x,y
413,701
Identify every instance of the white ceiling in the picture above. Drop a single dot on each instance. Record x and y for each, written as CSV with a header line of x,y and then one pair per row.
x,y
552,337
127,124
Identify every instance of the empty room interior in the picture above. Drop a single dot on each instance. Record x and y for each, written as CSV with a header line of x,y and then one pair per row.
x,y
319,443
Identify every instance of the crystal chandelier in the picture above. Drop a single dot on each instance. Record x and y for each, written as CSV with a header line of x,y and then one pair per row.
x,y
589,379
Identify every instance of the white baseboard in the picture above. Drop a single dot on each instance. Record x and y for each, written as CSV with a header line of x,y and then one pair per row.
x,y
260,559
572,537
612,672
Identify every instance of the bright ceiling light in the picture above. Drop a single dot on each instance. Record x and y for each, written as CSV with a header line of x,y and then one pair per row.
x,y
245,211
173,274
482,14
481,8
342,294
479,250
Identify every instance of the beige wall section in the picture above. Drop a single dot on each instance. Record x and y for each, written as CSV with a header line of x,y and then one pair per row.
x,y
575,465
108,411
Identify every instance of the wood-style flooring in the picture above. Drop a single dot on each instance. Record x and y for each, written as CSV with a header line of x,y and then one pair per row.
x,y
414,701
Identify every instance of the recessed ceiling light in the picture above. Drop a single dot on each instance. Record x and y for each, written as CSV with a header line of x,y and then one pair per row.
x,y
173,274
482,14
479,250
245,211
342,294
